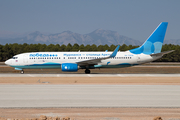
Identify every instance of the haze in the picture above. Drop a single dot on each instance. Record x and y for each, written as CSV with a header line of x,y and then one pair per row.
x,y
135,19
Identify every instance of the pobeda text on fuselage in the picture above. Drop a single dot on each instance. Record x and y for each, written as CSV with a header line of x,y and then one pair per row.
x,y
72,61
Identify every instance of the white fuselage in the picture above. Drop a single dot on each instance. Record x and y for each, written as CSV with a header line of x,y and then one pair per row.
x,y
55,59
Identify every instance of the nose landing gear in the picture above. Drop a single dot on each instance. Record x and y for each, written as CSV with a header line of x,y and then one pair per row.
x,y
22,72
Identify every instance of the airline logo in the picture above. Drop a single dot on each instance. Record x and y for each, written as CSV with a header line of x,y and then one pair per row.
x,y
43,55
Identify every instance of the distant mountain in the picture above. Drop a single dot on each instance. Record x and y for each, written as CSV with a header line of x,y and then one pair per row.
x,y
98,37
172,41
111,37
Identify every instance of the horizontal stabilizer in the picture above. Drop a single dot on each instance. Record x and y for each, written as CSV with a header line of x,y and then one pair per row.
x,y
162,53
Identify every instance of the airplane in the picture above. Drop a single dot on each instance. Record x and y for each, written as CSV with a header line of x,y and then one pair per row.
x,y
149,51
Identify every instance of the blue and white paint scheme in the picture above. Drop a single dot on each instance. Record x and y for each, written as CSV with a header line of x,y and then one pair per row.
x,y
72,61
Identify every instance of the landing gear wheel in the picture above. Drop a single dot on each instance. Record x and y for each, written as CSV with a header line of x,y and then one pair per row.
x,y
87,71
22,72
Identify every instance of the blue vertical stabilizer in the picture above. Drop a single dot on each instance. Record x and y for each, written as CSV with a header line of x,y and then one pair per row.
x,y
154,43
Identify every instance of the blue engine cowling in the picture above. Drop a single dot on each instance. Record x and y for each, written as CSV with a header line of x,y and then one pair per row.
x,y
69,67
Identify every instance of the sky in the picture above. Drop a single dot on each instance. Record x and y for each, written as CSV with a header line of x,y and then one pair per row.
x,y
136,19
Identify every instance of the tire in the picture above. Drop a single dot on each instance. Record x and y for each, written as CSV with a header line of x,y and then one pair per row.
x,y
87,71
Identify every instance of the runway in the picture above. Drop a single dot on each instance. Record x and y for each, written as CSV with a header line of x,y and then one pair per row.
x,y
88,75
42,96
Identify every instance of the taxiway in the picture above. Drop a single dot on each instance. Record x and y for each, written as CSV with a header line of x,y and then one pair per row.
x,y
42,96
87,75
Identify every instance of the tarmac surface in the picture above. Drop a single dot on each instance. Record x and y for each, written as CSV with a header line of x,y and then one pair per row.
x,y
136,93
80,96
87,75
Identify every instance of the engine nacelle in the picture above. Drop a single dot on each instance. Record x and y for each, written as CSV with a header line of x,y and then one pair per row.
x,y
69,67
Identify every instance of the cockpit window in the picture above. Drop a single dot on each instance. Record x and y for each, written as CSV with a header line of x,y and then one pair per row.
x,y
15,58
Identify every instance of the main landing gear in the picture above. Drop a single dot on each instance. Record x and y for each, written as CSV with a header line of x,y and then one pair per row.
x,y
87,71
22,72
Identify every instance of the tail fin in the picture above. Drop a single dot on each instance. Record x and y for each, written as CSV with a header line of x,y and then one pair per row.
x,y
154,43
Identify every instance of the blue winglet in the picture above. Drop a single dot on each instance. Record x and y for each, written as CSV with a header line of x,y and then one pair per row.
x,y
115,52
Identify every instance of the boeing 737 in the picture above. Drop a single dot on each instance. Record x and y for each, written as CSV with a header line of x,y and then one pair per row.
x,y
72,61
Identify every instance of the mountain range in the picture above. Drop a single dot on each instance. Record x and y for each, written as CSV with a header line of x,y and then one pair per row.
x,y
98,37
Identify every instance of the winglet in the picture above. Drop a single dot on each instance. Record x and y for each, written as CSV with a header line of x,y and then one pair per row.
x,y
115,52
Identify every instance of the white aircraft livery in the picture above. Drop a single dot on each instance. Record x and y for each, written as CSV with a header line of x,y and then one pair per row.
x,y
72,61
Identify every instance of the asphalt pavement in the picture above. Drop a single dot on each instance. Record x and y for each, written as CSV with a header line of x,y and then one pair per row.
x,y
42,96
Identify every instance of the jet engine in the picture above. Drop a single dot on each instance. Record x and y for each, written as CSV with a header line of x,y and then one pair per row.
x,y
69,67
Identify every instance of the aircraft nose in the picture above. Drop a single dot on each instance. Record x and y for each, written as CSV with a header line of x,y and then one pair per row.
x,y
7,62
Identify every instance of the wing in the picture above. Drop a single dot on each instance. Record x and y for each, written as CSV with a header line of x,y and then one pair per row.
x,y
96,61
